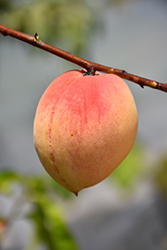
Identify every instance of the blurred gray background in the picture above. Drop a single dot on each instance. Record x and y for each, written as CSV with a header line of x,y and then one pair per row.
x,y
132,36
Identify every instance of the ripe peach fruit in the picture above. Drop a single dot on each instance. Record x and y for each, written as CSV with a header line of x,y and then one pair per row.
x,y
84,127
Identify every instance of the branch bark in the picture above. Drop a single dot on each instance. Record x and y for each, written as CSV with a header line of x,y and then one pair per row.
x,y
88,65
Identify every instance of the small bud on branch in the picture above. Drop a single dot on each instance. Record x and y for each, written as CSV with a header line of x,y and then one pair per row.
x,y
88,65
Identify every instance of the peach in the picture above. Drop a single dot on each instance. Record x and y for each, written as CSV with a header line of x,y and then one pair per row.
x,y
84,127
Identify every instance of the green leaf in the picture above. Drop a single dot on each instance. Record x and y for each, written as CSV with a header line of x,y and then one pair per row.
x,y
7,178
50,227
161,176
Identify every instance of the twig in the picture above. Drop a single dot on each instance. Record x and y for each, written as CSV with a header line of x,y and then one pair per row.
x,y
88,65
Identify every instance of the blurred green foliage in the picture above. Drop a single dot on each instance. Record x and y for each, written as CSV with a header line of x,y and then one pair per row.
x,y
126,173
45,214
117,2
65,22
161,176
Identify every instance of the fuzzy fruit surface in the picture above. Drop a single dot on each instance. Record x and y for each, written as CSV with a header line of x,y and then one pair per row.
x,y
84,127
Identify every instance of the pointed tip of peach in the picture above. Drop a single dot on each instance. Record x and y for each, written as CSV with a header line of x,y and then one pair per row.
x,y
76,194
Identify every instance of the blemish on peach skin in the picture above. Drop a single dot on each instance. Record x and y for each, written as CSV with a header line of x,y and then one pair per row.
x,y
53,162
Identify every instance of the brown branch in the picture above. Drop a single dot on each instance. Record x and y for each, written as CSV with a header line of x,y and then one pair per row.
x,y
88,65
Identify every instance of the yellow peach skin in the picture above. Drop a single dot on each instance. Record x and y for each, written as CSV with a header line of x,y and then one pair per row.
x,y
84,127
